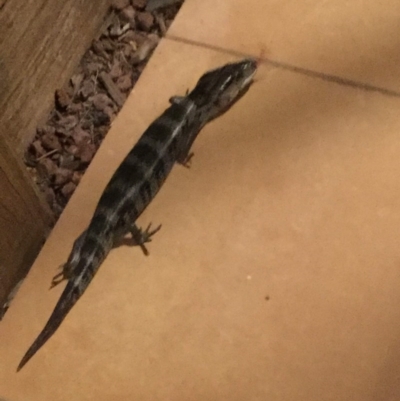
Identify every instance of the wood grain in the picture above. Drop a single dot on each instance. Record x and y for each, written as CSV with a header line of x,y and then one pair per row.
x,y
41,42
24,221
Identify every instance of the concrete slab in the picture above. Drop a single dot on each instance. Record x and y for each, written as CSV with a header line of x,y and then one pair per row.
x,y
356,40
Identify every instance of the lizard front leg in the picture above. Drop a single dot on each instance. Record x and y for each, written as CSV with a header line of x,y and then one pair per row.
x,y
185,159
178,99
70,264
185,155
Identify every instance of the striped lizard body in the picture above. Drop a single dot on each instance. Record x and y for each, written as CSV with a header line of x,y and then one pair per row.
x,y
138,179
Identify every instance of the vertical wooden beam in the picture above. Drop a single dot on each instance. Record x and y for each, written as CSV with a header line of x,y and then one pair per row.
x,y
41,43
24,221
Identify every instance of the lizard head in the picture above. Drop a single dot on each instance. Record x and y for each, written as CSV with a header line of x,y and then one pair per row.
x,y
218,89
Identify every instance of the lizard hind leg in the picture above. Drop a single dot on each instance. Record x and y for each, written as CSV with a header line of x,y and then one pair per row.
x,y
64,274
141,237
73,259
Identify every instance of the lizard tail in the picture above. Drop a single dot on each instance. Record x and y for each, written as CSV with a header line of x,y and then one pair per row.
x,y
69,297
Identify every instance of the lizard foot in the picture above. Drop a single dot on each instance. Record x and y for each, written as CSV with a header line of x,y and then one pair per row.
x,y
187,160
178,99
142,237
57,279
64,274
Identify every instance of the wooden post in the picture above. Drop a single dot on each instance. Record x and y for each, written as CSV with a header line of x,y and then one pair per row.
x,y
24,221
41,43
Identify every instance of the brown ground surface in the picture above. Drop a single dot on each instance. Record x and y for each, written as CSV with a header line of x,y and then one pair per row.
x,y
294,194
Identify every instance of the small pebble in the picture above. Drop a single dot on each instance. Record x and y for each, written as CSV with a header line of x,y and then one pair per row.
x,y
119,4
68,189
145,21
141,4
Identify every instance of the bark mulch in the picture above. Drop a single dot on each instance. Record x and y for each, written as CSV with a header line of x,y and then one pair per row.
x,y
64,146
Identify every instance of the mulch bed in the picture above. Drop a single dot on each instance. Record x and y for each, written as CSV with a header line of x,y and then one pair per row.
x,y
64,146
